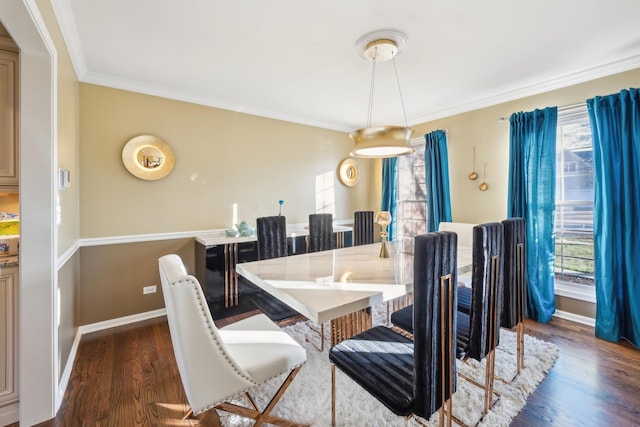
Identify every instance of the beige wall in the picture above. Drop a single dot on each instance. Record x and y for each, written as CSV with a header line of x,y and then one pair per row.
x,y
481,128
116,203
113,277
222,157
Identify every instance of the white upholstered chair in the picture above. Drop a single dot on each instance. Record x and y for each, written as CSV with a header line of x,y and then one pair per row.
x,y
462,229
217,364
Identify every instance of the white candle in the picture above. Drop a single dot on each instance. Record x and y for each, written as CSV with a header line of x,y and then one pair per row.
x,y
234,220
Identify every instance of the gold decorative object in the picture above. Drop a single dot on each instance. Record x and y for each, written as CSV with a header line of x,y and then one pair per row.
x,y
381,141
384,219
348,172
148,157
473,175
484,186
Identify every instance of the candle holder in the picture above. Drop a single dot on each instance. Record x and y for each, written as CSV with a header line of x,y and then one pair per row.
x,y
383,218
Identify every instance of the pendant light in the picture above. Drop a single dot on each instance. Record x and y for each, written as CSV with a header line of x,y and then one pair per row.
x,y
381,141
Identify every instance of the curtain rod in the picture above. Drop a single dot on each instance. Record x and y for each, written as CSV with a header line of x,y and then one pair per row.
x,y
446,131
560,108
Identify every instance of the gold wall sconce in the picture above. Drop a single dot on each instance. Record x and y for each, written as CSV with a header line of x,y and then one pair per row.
x,y
484,186
348,172
148,157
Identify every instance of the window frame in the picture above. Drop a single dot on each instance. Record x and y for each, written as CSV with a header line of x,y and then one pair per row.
x,y
563,288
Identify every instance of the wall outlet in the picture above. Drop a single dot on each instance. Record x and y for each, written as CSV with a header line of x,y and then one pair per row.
x,y
149,290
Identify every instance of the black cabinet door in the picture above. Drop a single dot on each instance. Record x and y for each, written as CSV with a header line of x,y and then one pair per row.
x,y
227,292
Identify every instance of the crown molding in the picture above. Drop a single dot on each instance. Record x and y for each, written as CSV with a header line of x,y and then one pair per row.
x,y
560,82
64,16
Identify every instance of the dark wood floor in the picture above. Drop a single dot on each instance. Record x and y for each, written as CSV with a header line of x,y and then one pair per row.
x,y
593,383
127,376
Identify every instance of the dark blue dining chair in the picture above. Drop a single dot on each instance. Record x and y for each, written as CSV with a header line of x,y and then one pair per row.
x,y
320,232
411,377
514,297
363,228
272,243
515,282
477,330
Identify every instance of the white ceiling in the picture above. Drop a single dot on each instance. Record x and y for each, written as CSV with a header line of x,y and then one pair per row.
x,y
295,60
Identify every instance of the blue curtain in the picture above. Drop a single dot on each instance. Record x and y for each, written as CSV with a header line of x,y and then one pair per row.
x,y
532,174
436,165
615,126
390,191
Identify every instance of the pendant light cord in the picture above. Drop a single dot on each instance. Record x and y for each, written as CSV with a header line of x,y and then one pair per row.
x,y
373,79
404,113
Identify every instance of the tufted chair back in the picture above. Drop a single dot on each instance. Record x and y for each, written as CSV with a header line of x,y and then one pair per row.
x,y
486,288
320,232
363,228
201,355
434,312
272,236
515,271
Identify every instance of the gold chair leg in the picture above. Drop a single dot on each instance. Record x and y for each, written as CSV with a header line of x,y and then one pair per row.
x,y
188,414
489,378
320,332
520,345
264,416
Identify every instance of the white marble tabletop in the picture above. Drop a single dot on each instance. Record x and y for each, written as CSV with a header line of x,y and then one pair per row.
x,y
326,285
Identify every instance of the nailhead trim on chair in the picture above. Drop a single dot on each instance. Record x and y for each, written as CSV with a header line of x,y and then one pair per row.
x,y
204,310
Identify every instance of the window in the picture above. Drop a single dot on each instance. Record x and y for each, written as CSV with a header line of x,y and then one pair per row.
x,y
325,195
412,198
574,198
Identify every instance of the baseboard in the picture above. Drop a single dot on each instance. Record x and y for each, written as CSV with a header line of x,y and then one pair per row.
x,y
10,414
577,318
120,321
85,329
66,374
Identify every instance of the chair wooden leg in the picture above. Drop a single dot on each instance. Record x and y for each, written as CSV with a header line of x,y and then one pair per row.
x,y
188,414
489,378
264,416
520,336
251,401
320,332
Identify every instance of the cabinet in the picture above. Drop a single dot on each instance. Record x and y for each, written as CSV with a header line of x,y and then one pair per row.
x,y
8,119
8,336
228,293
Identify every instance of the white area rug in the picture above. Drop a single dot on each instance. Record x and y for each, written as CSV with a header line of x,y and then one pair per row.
x,y
308,399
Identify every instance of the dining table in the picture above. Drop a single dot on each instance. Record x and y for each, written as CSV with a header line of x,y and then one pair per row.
x,y
340,285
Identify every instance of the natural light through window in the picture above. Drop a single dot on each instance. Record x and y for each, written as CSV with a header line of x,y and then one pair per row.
x,y
574,198
325,195
412,198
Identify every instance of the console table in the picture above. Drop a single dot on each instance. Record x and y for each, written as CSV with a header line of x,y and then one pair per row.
x,y
216,257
